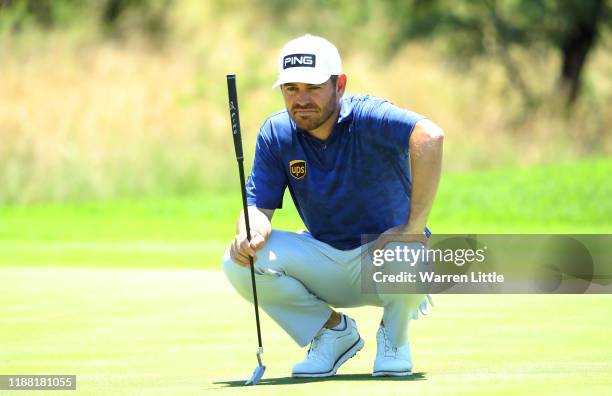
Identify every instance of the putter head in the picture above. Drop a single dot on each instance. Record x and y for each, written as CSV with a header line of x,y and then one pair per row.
x,y
257,374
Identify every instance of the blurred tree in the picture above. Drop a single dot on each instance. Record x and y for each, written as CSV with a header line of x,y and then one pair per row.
x,y
45,13
152,14
146,15
491,28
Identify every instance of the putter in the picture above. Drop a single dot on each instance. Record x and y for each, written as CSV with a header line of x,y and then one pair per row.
x,y
235,120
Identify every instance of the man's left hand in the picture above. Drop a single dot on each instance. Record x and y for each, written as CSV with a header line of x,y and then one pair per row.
x,y
403,234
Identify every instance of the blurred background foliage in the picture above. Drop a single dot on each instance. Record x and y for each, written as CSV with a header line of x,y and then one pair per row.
x,y
114,98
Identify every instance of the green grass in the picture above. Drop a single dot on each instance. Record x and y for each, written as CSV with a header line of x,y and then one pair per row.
x,y
127,332
192,232
571,197
121,293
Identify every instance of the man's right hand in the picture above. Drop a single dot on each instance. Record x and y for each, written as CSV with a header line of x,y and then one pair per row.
x,y
241,249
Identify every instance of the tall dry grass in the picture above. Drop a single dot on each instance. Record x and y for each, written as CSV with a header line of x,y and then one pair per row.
x,y
83,117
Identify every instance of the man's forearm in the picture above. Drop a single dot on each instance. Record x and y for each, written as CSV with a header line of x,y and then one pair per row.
x,y
259,219
426,165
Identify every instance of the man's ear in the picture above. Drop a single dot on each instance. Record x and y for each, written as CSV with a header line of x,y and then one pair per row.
x,y
341,84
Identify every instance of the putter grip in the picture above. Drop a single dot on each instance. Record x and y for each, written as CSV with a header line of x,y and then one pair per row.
x,y
234,115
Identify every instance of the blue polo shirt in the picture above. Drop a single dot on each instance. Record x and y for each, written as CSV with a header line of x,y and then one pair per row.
x,y
355,182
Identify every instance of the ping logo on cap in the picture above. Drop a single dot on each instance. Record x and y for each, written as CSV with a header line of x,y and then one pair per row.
x,y
299,60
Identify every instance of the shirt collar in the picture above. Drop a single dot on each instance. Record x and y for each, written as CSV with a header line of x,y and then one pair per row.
x,y
346,110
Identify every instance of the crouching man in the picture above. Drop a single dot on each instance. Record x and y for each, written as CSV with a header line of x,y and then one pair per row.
x,y
355,165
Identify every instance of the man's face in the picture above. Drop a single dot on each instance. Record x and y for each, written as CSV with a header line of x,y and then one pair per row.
x,y
310,105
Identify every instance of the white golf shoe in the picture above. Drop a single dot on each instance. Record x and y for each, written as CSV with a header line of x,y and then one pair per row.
x,y
329,350
391,361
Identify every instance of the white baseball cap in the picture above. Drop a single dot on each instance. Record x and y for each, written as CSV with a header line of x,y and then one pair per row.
x,y
308,59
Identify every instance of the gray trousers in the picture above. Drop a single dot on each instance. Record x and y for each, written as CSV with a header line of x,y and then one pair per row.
x,y
299,277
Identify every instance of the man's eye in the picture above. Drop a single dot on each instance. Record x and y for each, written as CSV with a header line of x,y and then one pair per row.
x,y
314,88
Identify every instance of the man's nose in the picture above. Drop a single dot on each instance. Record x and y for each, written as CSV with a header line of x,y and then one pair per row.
x,y
302,98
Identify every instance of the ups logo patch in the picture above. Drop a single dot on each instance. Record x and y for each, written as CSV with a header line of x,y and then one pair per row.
x,y
297,169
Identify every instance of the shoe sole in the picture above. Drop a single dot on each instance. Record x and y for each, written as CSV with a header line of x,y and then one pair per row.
x,y
391,373
352,351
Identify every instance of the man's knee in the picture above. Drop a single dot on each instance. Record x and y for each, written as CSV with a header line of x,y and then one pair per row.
x,y
272,287
268,269
238,276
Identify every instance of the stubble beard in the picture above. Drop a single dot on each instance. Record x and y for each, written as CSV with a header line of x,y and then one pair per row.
x,y
309,124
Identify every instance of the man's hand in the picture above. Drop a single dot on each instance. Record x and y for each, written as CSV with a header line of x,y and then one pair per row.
x,y
261,228
241,249
402,233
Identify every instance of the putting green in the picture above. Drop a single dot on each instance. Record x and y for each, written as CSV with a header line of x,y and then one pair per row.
x,y
170,332
126,294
